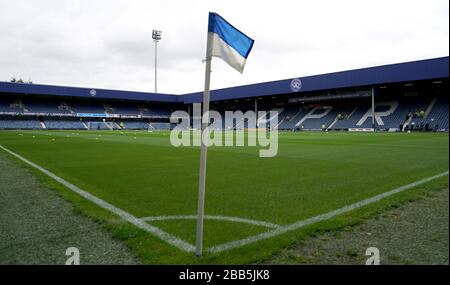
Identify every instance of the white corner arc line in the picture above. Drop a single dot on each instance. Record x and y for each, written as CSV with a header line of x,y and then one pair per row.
x,y
213,217
319,218
179,243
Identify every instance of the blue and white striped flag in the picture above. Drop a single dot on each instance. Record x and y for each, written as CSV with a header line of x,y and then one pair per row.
x,y
229,43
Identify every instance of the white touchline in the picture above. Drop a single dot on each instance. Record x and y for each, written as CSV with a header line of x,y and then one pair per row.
x,y
313,220
211,217
179,243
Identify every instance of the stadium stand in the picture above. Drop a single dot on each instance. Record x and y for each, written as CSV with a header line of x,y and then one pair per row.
x,y
326,115
100,125
402,111
351,120
407,96
290,117
436,119
46,106
136,125
11,105
126,109
159,126
389,114
155,112
20,124
65,125
87,107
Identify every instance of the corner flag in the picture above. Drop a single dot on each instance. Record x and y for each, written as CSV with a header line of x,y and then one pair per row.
x,y
230,44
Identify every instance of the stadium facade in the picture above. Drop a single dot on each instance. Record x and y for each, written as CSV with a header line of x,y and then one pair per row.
x,y
395,97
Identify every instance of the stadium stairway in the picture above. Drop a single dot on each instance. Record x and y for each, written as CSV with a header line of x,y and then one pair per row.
x,y
321,117
391,115
351,120
290,118
437,117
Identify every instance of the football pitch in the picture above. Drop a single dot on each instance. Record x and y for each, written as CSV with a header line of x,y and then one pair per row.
x,y
144,190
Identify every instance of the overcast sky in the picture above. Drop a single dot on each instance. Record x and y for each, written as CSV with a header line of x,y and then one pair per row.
x,y
107,44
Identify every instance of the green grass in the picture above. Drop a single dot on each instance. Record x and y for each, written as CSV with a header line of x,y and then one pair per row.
x,y
313,173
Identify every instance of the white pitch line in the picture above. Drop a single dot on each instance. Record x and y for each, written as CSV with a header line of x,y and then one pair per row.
x,y
316,219
212,217
179,243
183,245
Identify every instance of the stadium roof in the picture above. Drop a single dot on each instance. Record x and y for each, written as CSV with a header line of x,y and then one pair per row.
x,y
429,69
64,91
435,68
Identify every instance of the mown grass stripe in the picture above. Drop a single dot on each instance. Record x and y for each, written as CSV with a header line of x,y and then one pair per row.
x,y
181,244
319,218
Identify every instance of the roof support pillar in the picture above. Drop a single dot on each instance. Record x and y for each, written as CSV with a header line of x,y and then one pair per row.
x,y
373,108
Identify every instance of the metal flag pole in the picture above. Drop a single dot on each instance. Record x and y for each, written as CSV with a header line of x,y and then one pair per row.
x,y
204,149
